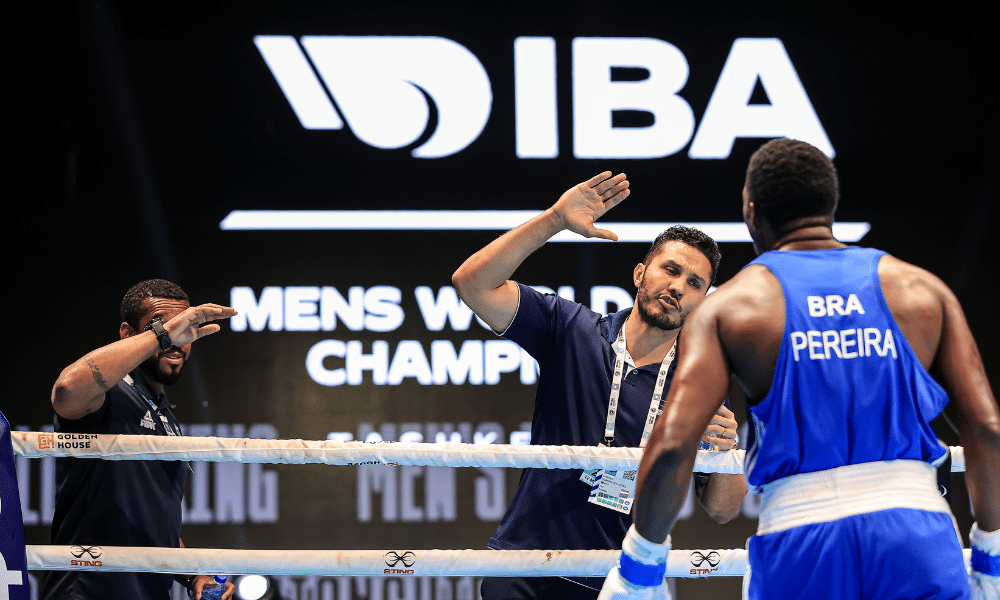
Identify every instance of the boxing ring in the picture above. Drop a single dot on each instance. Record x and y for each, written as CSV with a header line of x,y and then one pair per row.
x,y
388,562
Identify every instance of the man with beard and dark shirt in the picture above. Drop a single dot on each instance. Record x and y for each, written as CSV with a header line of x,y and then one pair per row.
x,y
600,380
119,388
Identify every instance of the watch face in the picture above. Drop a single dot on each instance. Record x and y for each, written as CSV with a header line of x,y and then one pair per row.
x,y
161,334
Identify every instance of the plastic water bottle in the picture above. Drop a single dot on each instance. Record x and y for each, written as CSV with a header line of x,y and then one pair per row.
x,y
214,592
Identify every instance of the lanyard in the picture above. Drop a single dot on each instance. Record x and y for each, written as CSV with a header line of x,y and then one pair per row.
x,y
655,404
153,407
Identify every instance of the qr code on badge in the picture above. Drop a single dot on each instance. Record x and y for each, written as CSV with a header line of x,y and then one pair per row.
x,y
630,475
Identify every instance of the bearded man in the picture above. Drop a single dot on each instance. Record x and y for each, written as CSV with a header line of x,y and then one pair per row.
x,y
600,380
119,388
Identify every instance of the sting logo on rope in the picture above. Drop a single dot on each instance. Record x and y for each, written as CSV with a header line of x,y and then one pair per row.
x,y
392,559
94,552
697,559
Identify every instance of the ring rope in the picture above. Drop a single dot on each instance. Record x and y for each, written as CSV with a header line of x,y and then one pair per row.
x,y
482,563
487,563
34,444
419,563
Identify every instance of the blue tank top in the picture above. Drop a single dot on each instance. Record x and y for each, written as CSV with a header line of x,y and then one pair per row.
x,y
847,387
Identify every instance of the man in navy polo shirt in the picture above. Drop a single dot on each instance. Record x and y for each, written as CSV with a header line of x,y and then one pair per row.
x,y
600,378
118,388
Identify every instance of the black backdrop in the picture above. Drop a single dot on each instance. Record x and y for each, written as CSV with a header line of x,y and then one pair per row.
x,y
140,127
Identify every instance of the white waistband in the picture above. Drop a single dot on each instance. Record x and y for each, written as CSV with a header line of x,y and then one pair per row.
x,y
824,496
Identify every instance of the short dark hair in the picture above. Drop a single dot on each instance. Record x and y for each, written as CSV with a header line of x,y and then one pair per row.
x,y
695,238
788,180
151,288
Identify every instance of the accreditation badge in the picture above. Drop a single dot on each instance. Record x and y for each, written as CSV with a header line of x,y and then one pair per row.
x,y
614,489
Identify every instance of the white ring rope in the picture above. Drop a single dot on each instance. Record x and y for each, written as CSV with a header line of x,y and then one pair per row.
x,y
33,444
418,563
486,563
482,563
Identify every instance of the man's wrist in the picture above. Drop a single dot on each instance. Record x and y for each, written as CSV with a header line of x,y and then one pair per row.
x,y
642,562
985,551
554,221
185,580
162,337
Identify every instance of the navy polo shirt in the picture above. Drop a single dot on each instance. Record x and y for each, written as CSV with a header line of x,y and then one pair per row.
x,y
116,502
574,349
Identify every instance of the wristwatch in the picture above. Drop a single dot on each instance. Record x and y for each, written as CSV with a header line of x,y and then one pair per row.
x,y
161,334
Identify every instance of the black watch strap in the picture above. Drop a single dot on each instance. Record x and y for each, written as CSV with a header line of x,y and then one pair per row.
x,y
161,334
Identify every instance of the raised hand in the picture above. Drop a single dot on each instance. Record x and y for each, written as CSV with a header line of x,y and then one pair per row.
x,y
586,202
187,326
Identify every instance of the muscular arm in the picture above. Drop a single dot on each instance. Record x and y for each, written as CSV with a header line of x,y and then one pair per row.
x,y
483,280
934,325
698,389
973,410
80,388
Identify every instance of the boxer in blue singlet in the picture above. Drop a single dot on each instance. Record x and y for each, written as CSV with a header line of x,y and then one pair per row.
x,y
845,355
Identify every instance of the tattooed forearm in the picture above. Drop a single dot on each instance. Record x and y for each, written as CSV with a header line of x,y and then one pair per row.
x,y
98,378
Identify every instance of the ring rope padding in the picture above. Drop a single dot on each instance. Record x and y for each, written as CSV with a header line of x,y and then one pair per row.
x,y
486,563
417,563
33,444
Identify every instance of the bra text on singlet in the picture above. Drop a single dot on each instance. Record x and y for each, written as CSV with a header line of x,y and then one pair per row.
x,y
841,343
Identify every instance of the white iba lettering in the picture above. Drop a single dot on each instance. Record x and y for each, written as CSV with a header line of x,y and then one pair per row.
x,y
383,87
380,85
595,97
730,115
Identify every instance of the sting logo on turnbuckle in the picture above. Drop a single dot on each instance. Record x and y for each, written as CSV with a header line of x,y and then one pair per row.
x,y
392,559
697,559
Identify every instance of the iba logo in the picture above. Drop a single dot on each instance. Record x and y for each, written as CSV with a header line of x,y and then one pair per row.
x,y
408,559
698,559
387,89
91,552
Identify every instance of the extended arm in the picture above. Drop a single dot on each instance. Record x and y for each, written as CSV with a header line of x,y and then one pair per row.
x,y
483,280
698,389
81,386
973,410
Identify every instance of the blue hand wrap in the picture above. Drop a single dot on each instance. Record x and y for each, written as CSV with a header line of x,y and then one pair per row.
x,y
985,563
640,574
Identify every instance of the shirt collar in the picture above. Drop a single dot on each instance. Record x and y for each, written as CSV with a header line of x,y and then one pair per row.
x,y
612,324
161,401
